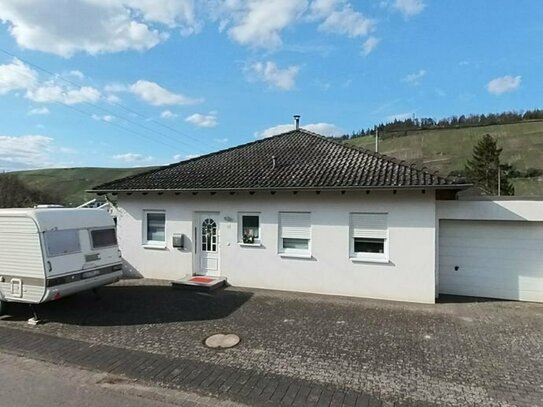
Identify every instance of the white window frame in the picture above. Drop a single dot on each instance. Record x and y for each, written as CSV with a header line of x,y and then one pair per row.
x,y
154,244
377,228
288,252
258,242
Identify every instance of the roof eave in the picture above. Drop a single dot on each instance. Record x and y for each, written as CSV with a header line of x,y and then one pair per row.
x,y
288,189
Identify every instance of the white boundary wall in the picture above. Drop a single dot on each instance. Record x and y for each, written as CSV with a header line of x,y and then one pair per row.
x,y
409,276
506,210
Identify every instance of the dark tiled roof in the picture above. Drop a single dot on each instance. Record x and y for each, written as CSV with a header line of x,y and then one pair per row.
x,y
303,160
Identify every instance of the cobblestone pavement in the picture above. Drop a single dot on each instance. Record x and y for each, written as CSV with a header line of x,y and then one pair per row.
x,y
473,353
34,383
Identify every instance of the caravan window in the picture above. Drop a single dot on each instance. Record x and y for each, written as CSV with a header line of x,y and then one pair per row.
x,y
103,238
60,242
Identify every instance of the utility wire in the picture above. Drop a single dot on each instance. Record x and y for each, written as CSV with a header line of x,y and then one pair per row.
x,y
55,75
144,136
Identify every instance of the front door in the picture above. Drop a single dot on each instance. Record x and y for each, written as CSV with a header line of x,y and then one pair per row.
x,y
208,244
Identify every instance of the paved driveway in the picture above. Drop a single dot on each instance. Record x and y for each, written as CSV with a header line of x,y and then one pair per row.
x,y
486,353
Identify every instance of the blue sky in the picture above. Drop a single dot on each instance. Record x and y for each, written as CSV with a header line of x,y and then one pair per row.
x,y
140,82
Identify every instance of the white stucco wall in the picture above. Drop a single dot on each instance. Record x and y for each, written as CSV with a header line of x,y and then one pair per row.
x,y
505,210
409,276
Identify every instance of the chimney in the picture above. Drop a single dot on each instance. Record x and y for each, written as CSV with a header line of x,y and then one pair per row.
x,y
297,121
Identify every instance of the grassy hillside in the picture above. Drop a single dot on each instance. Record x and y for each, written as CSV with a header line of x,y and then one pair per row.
x,y
446,150
71,183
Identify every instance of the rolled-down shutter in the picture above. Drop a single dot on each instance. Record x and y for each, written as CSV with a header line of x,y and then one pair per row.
x,y
369,225
295,225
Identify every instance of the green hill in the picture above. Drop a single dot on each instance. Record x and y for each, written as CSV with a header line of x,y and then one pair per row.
x,y
70,183
444,150
447,150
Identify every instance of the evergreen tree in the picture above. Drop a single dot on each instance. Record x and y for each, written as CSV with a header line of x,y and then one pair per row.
x,y
482,169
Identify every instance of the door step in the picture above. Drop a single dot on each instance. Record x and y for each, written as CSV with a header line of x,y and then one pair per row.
x,y
199,283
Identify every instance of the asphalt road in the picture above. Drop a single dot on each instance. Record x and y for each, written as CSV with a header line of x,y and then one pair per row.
x,y
32,383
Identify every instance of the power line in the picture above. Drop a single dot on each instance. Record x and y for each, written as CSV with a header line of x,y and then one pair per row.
x,y
115,114
116,125
144,136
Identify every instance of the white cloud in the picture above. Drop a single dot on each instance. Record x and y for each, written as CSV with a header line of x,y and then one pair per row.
x,y
409,7
103,26
113,98
400,116
270,73
105,118
51,92
259,23
369,45
414,78
203,120
340,18
325,129
183,157
221,140
156,95
132,157
25,152
504,84
168,114
38,111
173,13
16,76
75,74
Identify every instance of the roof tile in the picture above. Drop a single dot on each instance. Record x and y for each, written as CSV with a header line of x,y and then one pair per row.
x,y
302,160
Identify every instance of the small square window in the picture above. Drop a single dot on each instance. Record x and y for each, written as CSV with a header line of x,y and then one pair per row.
x,y
249,228
154,232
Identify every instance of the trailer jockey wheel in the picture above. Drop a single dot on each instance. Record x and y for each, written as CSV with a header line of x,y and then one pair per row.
x,y
3,307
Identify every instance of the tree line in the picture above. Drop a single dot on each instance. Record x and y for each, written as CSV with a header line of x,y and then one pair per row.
x,y
16,194
400,128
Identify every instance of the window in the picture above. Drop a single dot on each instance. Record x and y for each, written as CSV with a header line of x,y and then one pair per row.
x,y
155,228
295,233
61,242
249,228
103,238
369,237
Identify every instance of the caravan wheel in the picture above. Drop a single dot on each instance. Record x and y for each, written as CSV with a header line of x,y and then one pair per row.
x,y
3,307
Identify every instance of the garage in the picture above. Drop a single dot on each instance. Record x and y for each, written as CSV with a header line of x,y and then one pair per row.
x,y
495,259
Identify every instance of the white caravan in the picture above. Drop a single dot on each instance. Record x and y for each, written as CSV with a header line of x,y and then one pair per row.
x,y
47,254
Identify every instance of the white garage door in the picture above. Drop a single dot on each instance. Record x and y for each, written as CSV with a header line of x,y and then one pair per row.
x,y
491,259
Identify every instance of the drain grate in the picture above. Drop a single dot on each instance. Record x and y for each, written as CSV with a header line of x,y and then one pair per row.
x,y
222,341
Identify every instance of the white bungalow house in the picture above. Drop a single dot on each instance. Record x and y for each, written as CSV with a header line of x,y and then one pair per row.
x,y
300,212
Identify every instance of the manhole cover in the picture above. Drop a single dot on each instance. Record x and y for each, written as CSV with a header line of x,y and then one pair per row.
x,y
222,341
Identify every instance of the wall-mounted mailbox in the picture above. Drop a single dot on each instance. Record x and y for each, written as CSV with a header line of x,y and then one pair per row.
x,y
178,241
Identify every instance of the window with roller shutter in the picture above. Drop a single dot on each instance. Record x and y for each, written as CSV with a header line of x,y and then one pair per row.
x,y
295,233
369,237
